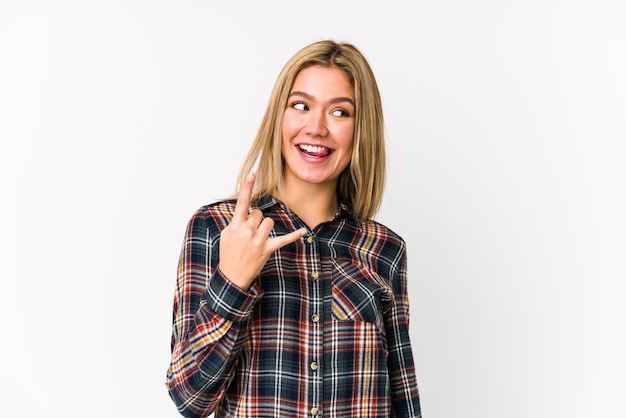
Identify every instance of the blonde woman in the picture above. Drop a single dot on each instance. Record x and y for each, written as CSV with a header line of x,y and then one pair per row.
x,y
290,300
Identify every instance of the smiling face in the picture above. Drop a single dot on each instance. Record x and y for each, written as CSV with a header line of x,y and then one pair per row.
x,y
318,128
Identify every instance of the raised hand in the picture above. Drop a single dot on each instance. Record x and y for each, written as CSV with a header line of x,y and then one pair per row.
x,y
245,244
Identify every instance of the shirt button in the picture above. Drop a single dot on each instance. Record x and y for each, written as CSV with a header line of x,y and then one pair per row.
x,y
309,239
315,411
314,365
315,276
315,318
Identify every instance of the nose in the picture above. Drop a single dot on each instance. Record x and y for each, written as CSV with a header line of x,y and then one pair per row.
x,y
316,124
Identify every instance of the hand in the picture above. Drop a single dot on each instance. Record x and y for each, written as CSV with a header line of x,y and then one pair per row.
x,y
245,244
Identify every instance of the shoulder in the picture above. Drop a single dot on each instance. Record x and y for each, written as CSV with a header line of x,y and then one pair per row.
x,y
375,245
218,208
217,214
376,230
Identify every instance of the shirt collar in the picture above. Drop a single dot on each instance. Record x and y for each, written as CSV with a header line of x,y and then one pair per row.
x,y
267,203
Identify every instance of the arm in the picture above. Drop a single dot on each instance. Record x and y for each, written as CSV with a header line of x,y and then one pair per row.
x,y
210,319
404,391
211,313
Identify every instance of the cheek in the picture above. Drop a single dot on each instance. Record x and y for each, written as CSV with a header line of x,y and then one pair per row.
x,y
346,137
286,131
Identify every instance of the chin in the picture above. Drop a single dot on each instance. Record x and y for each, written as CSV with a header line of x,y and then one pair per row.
x,y
314,180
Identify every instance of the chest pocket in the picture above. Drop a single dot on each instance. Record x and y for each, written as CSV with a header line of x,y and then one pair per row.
x,y
359,294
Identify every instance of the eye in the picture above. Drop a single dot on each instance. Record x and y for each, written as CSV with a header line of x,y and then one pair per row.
x,y
341,113
299,106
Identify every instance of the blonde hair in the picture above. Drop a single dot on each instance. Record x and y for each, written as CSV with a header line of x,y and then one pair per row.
x,y
361,184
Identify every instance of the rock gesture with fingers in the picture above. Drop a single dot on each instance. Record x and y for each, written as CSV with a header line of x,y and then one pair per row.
x,y
245,244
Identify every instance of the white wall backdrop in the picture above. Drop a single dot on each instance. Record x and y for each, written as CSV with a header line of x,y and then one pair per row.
x,y
507,138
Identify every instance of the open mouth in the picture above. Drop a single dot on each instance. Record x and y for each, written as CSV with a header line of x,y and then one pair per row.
x,y
314,150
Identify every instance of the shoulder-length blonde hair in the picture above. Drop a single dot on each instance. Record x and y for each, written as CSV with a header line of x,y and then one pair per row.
x,y
361,184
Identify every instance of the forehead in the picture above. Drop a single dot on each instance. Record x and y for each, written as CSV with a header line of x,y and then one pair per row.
x,y
323,81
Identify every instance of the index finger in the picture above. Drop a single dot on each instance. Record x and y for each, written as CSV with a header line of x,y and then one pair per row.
x,y
243,199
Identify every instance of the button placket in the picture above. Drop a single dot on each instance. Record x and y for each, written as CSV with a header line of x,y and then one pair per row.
x,y
316,337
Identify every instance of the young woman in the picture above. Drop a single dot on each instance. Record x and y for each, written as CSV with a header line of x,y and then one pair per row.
x,y
291,301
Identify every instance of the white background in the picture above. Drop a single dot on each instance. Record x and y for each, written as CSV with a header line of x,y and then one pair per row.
x,y
506,125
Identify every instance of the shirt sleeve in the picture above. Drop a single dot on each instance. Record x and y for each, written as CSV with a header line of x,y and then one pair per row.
x,y
210,318
404,390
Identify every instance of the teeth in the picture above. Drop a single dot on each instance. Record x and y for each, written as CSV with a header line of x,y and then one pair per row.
x,y
313,148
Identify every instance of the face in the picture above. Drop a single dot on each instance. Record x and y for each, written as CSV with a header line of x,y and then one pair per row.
x,y
318,128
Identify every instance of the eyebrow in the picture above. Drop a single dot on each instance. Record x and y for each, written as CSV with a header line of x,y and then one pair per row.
x,y
333,101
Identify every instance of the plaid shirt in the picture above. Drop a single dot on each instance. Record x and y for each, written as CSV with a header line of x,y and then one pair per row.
x,y
323,331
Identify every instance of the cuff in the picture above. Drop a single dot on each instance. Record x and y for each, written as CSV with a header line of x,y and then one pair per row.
x,y
228,300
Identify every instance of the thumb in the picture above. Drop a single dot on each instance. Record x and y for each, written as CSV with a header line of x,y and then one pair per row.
x,y
280,241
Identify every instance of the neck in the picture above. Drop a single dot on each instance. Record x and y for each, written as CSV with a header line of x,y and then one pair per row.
x,y
313,203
